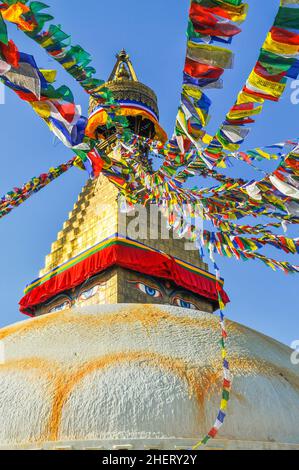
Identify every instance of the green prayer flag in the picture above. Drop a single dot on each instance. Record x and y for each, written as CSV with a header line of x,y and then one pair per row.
x,y
287,18
3,31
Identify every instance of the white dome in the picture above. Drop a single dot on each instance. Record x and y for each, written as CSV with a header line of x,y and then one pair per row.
x,y
142,376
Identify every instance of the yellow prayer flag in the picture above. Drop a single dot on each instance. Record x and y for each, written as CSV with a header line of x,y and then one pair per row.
x,y
14,14
238,13
212,55
207,139
280,48
50,75
247,98
68,65
202,116
264,154
223,405
78,163
46,42
221,163
242,113
42,108
192,91
291,245
265,86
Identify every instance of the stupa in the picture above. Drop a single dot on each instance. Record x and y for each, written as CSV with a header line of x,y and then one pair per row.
x,y
122,350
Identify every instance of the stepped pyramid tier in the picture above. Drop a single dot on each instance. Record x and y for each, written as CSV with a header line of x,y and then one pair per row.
x,y
103,256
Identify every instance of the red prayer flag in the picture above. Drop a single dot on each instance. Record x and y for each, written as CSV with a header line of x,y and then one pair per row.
x,y
284,36
10,53
198,70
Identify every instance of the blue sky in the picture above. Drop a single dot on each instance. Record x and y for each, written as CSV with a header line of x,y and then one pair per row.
x,y
153,33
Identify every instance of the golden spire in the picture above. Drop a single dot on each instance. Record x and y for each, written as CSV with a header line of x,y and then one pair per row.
x,y
123,69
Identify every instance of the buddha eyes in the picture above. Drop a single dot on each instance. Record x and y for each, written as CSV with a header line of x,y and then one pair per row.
x,y
89,293
184,303
148,290
85,295
60,307
157,294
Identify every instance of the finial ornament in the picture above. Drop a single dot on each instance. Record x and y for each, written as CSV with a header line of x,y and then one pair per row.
x,y
122,55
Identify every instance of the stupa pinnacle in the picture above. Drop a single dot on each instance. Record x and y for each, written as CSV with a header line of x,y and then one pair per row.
x,y
123,69
136,101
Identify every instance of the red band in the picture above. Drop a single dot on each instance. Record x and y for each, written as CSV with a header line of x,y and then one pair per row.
x,y
143,260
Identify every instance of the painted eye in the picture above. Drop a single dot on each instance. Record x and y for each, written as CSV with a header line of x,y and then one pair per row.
x,y
60,307
184,304
148,290
88,294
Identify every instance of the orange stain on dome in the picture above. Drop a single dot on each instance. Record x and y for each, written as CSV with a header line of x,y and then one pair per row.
x,y
45,367
201,381
147,315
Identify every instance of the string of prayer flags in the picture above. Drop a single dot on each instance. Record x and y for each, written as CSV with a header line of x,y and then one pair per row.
x,y
73,58
278,61
209,23
227,376
17,196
